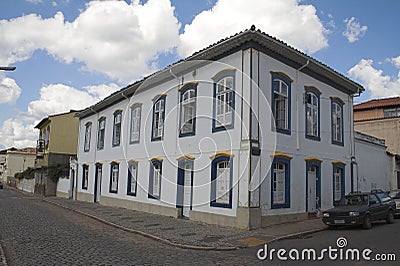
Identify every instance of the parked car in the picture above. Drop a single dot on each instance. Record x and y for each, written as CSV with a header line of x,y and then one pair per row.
x,y
361,208
395,195
1,185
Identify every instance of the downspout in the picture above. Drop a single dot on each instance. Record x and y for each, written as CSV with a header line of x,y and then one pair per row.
x,y
128,128
297,103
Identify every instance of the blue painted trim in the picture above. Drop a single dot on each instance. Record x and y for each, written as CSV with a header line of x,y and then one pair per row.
x,y
287,183
193,133
342,181
275,76
312,137
224,74
88,124
111,172
83,176
164,98
129,188
150,190
98,133
135,106
317,164
341,105
213,195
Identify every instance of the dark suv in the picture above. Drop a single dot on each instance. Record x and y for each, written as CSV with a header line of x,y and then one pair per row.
x,y
361,208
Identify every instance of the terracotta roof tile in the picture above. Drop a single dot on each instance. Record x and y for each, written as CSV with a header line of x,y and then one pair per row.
x,y
377,103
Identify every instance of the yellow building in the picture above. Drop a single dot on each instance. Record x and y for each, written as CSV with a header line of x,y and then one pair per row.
x,y
57,143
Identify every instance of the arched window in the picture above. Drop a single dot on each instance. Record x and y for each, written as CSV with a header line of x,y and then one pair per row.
x,y
221,181
117,128
188,110
312,103
114,176
88,132
158,118
281,104
337,121
224,100
155,178
280,181
136,111
101,133
132,178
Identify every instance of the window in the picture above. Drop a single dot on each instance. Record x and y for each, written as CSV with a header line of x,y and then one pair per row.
x,y
281,106
158,118
312,113
101,133
132,178
117,128
114,175
338,181
155,179
392,112
337,121
188,110
280,182
224,100
221,182
135,123
88,130
85,176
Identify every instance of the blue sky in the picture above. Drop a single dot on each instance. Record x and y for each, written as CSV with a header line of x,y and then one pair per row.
x,y
72,53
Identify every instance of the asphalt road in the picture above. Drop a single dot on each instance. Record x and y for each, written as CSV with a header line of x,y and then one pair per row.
x,y
33,232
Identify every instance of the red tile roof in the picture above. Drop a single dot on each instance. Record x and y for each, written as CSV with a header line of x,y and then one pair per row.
x,y
378,103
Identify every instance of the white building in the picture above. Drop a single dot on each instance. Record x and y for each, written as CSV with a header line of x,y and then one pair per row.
x,y
246,133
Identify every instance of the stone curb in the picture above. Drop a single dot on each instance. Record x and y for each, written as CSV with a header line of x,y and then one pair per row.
x,y
294,235
162,240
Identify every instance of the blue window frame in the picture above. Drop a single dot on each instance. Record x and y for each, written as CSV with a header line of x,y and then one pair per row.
x,y
132,178
312,104
187,125
157,131
85,176
136,111
280,182
155,179
281,102
338,181
224,100
185,168
117,128
101,133
88,132
114,176
337,121
221,182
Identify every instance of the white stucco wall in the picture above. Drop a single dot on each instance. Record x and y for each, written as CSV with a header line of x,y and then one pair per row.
x,y
375,169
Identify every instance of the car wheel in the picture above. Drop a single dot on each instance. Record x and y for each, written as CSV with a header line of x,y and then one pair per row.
x,y
367,224
390,217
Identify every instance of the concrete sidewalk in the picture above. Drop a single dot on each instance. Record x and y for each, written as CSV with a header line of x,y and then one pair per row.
x,y
186,233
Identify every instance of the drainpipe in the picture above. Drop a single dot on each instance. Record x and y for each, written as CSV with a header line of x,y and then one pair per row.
x,y
297,103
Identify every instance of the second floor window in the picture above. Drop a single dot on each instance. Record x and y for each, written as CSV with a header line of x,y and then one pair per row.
x,y
88,130
158,118
117,128
337,122
224,102
135,124
188,111
281,104
312,113
101,133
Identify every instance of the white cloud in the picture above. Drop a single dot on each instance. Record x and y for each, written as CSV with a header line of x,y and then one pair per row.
x,y
374,80
395,61
354,31
15,133
34,1
296,24
54,98
9,90
119,39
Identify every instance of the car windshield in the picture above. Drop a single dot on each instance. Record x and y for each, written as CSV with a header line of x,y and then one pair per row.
x,y
353,200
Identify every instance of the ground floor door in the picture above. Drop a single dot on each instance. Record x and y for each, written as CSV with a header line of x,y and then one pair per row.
x,y
185,187
97,183
313,188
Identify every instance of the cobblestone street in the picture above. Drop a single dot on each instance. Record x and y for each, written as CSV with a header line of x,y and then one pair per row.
x,y
33,232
